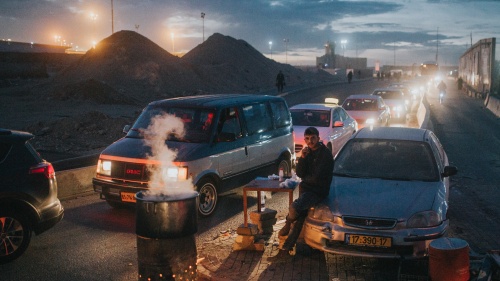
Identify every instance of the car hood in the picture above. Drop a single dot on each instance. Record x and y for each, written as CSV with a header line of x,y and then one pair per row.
x,y
135,148
383,198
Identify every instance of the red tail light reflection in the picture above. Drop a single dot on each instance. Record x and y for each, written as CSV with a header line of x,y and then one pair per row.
x,y
44,168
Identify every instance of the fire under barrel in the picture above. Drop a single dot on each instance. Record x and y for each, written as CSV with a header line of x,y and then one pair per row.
x,y
166,226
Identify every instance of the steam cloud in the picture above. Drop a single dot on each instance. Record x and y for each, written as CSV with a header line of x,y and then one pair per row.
x,y
162,158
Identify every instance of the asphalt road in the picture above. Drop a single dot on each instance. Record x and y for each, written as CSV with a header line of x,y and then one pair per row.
x,y
97,242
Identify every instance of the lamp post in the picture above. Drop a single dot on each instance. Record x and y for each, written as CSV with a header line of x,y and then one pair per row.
x,y
286,49
271,48
203,20
93,18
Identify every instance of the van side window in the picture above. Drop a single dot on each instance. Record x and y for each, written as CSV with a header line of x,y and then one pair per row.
x,y
281,115
258,118
229,124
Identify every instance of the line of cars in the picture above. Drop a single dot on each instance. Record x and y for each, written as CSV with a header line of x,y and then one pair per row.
x,y
390,189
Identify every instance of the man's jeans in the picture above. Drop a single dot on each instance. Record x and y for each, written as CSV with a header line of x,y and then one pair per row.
x,y
298,213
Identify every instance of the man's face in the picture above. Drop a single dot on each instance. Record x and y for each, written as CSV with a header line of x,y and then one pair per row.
x,y
311,141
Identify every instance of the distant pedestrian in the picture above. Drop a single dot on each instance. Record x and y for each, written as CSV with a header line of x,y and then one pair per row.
x,y
349,76
280,81
378,75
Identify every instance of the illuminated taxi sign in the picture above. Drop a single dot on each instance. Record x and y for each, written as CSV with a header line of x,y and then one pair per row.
x,y
332,100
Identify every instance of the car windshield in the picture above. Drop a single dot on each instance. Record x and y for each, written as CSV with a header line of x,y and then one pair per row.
x,y
387,159
307,117
388,94
360,104
197,123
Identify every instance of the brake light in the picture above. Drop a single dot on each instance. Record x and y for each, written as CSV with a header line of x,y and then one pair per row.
x,y
44,168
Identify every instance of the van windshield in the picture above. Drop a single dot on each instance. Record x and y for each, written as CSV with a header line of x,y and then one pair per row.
x,y
198,123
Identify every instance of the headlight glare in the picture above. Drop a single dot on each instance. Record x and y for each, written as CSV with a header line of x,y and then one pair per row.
x,y
321,212
104,167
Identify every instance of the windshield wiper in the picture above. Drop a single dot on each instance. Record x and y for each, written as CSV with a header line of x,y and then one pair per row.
x,y
349,175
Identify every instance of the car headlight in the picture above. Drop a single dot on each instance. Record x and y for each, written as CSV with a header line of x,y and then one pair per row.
x,y
396,108
321,212
424,219
370,121
175,173
104,167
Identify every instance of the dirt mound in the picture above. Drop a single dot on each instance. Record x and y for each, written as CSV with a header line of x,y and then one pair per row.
x,y
91,90
79,134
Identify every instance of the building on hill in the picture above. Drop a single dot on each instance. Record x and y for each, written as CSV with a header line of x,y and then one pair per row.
x,y
331,61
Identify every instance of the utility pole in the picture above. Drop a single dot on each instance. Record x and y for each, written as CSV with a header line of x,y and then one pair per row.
x,y
112,19
437,45
203,19
286,49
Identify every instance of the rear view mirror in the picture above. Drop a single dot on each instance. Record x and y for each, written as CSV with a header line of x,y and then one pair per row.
x,y
126,129
449,171
338,124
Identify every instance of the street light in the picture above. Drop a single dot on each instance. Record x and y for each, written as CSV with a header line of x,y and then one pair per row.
x,y
203,20
286,49
93,18
271,48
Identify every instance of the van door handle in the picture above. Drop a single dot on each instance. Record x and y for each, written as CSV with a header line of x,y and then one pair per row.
x,y
246,150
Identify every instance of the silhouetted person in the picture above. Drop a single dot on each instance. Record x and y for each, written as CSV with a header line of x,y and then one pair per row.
x,y
349,76
280,81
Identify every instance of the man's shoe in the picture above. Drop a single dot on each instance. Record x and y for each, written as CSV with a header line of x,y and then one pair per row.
x,y
285,230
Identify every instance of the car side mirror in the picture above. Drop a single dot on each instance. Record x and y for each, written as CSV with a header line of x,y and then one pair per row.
x,y
449,171
338,124
126,129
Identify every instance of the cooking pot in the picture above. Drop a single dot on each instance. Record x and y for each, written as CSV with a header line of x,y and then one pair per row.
x,y
166,215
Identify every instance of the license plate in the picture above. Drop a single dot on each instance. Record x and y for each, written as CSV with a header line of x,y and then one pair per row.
x,y
364,240
128,197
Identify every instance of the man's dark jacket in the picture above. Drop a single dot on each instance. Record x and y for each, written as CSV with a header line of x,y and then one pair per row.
x,y
316,171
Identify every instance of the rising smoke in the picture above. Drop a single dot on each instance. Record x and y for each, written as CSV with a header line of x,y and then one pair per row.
x,y
162,157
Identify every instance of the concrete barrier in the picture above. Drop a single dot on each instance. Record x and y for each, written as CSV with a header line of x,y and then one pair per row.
x,y
493,105
75,182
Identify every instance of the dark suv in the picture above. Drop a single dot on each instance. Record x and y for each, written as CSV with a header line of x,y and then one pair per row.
x,y
28,194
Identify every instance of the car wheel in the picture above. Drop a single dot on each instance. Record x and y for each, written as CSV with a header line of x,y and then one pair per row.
x,y
286,165
15,236
208,197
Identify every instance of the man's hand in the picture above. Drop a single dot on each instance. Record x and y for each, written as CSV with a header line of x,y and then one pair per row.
x,y
305,151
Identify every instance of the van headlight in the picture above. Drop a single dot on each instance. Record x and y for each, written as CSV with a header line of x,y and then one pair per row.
x,y
370,121
175,173
104,167
424,219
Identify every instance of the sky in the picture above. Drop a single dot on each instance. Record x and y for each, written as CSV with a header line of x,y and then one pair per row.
x,y
391,32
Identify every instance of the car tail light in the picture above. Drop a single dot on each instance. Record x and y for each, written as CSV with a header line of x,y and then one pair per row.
x,y
44,168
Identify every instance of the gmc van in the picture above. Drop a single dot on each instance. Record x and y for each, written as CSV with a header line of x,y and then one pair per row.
x,y
228,141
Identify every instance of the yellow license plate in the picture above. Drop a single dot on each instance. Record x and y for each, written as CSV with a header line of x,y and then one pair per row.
x,y
128,197
364,240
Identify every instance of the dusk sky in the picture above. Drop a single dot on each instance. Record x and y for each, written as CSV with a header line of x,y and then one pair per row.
x,y
388,31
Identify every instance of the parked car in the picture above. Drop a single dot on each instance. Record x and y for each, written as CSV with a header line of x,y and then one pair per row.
x,y
388,197
28,194
228,141
334,124
368,110
396,100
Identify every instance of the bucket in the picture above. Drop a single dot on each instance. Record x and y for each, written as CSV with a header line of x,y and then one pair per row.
x,y
449,260
166,216
165,228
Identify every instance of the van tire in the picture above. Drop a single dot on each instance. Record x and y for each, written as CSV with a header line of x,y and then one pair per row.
x,y
208,197
286,165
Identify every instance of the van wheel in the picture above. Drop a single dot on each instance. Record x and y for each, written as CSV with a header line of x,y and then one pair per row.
x,y
208,197
286,165
15,235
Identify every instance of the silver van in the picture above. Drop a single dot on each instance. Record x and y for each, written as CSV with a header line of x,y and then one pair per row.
x,y
228,140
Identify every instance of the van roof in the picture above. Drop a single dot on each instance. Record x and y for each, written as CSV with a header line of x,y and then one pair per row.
x,y
213,100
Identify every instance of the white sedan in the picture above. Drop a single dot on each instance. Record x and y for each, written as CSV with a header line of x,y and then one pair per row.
x,y
388,197
334,124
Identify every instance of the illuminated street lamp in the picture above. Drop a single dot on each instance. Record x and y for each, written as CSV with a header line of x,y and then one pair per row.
x,y
286,49
271,48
